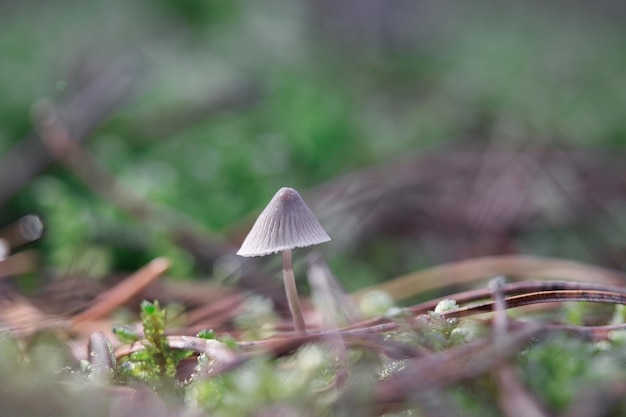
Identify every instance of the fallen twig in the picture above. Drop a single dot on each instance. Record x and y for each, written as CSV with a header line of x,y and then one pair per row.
x,y
122,292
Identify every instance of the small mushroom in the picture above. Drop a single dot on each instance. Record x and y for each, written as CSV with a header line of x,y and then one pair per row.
x,y
285,224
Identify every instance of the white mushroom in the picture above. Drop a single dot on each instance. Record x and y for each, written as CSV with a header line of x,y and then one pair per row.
x,y
285,224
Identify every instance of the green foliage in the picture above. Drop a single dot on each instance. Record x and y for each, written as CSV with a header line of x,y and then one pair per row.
x,y
226,339
297,382
126,334
155,364
430,331
437,333
39,379
433,331
561,367
201,13
208,334
476,398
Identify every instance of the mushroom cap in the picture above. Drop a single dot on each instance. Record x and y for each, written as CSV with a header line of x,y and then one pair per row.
x,y
286,223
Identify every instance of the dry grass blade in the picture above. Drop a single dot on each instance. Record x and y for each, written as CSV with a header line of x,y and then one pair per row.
x,y
513,267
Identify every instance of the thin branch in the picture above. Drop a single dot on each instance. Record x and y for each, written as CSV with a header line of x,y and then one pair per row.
x,y
122,292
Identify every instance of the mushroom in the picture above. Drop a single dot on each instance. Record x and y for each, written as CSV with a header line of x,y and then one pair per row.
x,y
285,224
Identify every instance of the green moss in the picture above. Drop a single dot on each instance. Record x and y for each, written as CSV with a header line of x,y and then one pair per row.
x,y
561,367
300,382
156,364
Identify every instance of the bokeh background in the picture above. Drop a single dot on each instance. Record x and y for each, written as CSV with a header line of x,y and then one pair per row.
x,y
420,132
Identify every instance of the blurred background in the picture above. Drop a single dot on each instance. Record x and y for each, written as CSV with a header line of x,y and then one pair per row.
x,y
420,132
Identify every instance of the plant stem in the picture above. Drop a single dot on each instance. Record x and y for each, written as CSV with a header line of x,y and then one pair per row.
x,y
292,292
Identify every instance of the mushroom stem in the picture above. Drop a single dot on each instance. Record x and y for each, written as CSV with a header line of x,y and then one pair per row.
x,y
292,292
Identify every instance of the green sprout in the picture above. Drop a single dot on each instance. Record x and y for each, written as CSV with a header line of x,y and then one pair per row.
x,y
156,364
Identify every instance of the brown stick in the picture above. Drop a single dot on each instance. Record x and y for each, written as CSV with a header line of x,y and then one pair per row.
x,y
592,296
122,292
